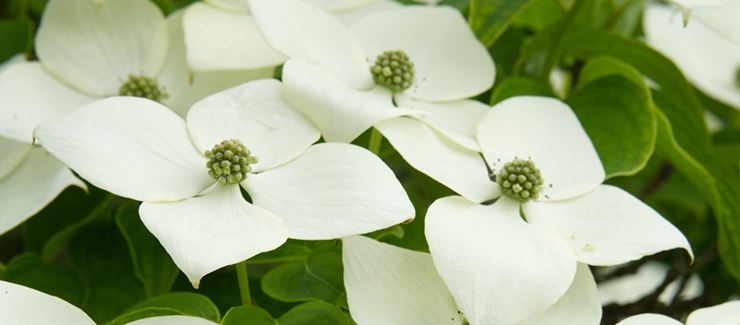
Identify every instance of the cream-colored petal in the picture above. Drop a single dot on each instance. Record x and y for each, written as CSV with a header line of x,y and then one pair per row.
x,y
349,17
25,306
13,153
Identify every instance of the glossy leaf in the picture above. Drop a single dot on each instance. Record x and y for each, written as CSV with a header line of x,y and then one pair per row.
x,y
520,86
248,315
143,313
314,313
489,18
186,303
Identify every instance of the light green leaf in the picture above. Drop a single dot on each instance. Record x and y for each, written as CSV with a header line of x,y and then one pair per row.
x,y
54,279
520,86
489,18
319,277
248,315
395,231
314,313
186,303
603,66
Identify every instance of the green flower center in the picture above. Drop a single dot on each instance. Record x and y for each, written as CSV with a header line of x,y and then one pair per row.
x,y
520,179
394,70
140,86
228,161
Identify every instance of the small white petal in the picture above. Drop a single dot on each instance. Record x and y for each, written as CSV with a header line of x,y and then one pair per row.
x,y
29,95
341,5
500,269
34,184
458,168
457,120
129,146
14,152
95,45
222,40
607,226
340,112
349,17
389,285
205,233
650,319
450,62
580,304
303,31
714,314
333,190
239,6
26,306
172,320
547,131
255,114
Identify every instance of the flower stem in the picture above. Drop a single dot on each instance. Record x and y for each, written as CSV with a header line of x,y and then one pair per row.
x,y
375,140
241,273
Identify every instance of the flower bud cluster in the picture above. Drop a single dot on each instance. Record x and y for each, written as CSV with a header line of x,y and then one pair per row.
x,y
229,161
394,70
520,179
140,86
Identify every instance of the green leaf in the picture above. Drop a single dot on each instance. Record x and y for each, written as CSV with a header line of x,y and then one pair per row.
x,y
395,231
603,66
16,36
152,265
520,86
186,303
49,232
57,280
291,251
489,18
538,15
248,315
167,6
314,313
319,277
143,313
618,118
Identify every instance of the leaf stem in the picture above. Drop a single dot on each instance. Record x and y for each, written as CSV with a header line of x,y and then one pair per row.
x,y
241,273
375,141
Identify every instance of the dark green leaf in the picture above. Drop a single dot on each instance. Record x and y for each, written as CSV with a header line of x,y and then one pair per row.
x,y
314,313
489,18
319,277
186,303
143,313
16,36
57,280
152,265
520,86
167,6
291,251
538,15
248,315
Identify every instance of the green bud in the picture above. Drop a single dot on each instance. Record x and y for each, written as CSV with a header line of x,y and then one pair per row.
x,y
393,69
140,86
229,161
520,179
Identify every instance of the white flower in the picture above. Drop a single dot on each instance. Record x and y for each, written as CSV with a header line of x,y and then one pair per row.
x,y
502,269
630,288
724,314
388,285
707,49
25,306
138,149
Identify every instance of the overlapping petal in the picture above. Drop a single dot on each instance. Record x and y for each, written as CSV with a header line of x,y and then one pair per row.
x,y
29,95
14,152
715,314
225,40
255,114
231,5
340,5
205,233
458,168
499,269
394,286
450,62
547,131
303,31
349,17
607,226
172,320
649,319
130,146
94,45
22,305
340,112
333,190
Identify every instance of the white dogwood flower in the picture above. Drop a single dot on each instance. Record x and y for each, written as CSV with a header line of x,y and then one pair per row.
x,y
246,136
725,314
388,285
23,305
502,269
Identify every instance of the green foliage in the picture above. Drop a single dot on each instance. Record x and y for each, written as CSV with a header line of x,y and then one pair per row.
x,y
16,36
489,18
520,86
248,315
314,313
57,280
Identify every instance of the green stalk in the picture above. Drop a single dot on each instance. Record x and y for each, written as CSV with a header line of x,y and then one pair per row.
x,y
375,140
241,273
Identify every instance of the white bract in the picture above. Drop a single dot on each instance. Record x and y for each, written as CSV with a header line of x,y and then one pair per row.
x,y
25,306
139,149
502,269
630,288
724,314
706,49
388,285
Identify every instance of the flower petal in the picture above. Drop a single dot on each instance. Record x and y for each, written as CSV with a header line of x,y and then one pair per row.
x,y
205,233
14,152
333,190
548,131
714,314
340,5
708,59
458,168
129,146
223,40
390,285
231,5
185,87
94,45
349,17
29,95
23,305
303,31
450,62
255,114
607,226
341,113
649,319
34,184
172,320
630,288
457,120
500,269
580,304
